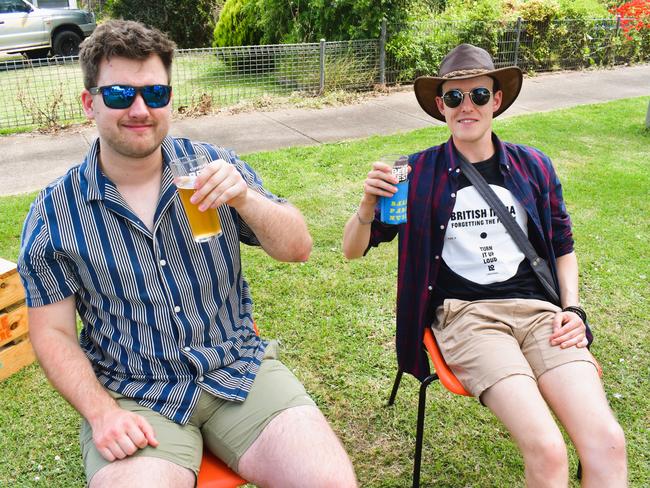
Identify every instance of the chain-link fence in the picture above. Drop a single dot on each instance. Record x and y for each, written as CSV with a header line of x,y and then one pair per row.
x,y
44,93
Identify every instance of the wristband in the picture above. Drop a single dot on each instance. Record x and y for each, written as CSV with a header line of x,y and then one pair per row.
x,y
579,311
363,222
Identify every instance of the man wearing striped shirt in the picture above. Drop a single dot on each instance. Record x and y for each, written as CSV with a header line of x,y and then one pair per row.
x,y
169,358
462,274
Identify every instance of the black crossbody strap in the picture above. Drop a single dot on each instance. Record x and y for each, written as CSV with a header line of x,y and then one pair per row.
x,y
539,265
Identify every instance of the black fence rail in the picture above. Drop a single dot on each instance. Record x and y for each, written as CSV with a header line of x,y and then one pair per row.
x,y
45,93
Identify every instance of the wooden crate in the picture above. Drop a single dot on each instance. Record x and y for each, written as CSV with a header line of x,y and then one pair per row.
x,y
15,348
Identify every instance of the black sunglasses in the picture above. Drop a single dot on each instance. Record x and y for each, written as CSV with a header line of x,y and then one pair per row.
x,y
478,96
122,96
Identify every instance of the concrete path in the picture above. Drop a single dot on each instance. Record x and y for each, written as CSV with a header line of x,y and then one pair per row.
x,y
30,161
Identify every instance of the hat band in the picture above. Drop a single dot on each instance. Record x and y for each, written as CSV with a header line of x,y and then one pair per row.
x,y
465,72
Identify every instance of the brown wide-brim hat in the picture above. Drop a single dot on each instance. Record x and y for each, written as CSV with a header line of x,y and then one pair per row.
x,y
464,62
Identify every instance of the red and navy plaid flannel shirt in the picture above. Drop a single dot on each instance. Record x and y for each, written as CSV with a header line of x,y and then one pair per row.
x,y
433,183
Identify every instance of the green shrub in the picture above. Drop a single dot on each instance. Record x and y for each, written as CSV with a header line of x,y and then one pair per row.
x,y
279,21
237,25
573,9
189,23
555,34
418,47
561,34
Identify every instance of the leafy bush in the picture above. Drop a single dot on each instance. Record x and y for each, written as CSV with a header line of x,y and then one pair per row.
x,y
555,34
418,46
279,21
189,23
635,23
237,25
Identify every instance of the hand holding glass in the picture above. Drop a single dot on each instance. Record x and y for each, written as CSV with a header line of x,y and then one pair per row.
x,y
205,225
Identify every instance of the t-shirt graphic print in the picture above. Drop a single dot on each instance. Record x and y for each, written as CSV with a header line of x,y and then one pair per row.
x,y
477,245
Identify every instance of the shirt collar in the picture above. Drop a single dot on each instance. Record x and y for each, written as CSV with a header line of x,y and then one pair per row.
x,y
453,155
94,182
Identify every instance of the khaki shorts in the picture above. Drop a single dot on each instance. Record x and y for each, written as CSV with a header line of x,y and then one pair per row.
x,y
485,341
228,428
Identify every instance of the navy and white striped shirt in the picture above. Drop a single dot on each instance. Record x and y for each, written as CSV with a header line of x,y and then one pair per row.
x,y
163,317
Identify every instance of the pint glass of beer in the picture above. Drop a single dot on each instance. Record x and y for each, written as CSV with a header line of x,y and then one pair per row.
x,y
205,225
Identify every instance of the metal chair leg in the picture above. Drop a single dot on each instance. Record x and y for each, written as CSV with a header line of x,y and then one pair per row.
x,y
393,394
419,432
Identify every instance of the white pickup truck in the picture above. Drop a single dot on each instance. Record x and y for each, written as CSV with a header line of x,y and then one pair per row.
x,y
37,32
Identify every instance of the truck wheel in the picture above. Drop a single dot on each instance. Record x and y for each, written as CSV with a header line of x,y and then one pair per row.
x,y
66,43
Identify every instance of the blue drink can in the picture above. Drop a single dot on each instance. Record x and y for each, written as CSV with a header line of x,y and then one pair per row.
x,y
393,209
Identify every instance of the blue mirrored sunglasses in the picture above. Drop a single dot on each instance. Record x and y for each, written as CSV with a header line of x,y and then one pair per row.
x,y
122,96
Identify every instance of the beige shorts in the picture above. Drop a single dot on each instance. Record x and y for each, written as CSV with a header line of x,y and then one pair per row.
x,y
485,341
227,428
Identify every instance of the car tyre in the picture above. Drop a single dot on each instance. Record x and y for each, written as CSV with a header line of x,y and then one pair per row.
x,y
66,43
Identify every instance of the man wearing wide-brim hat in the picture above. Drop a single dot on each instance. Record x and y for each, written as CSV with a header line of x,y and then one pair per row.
x,y
460,272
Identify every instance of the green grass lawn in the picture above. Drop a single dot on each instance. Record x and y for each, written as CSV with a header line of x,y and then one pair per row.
x,y
335,318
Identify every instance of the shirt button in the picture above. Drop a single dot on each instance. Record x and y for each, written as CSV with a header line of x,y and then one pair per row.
x,y
177,309
430,287
200,379
442,226
450,170
163,262
453,195
187,349
437,257
457,170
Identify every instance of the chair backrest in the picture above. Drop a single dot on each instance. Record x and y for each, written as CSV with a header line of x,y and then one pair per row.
x,y
445,375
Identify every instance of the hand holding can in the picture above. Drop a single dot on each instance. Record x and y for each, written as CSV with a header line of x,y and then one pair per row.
x,y
204,225
393,209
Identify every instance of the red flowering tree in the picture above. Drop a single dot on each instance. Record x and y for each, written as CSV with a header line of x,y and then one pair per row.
x,y
635,15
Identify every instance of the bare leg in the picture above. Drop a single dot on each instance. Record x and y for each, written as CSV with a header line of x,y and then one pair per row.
x,y
517,402
143,472
297,449
576,395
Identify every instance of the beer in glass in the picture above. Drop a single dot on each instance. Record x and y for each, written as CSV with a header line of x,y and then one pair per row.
x,y
205,225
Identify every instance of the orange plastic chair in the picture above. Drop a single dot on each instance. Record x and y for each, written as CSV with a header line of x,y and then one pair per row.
x,y
440,372
214,473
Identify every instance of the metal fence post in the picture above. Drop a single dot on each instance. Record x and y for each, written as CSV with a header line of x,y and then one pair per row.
x,y
617,32
517,41
322,67
382,53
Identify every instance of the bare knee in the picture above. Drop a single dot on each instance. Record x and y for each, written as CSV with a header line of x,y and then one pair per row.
x,y
604,445
546,455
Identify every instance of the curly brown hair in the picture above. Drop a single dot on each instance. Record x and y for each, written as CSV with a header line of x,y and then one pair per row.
x,y
127,39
